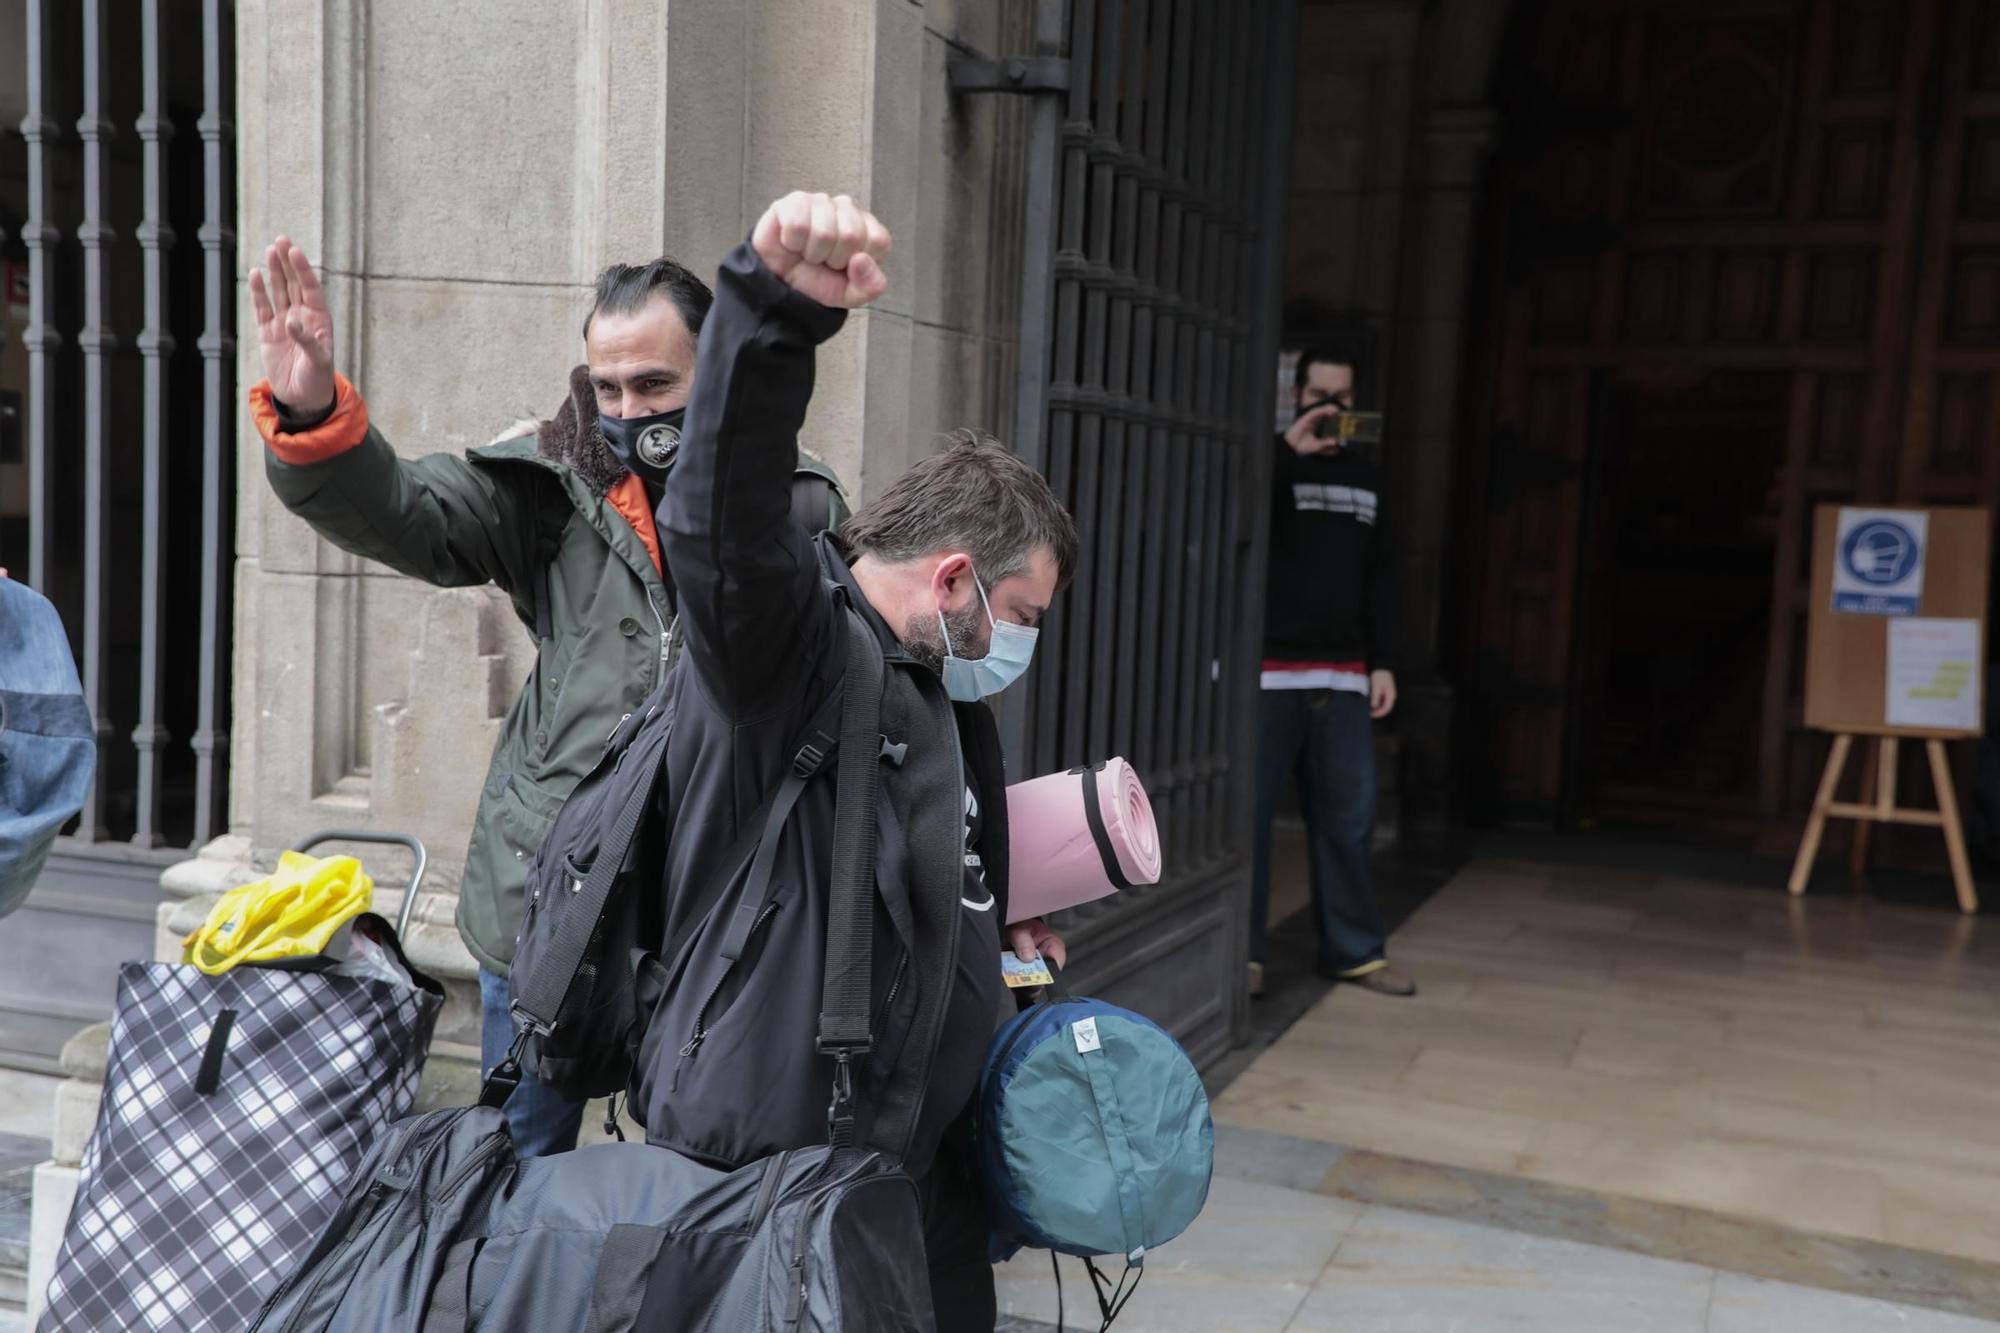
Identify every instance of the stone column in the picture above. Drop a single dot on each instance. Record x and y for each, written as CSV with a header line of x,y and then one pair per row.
x,y
1443,216
1453,130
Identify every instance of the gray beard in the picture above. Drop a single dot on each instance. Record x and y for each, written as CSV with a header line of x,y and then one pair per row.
x,y
924,644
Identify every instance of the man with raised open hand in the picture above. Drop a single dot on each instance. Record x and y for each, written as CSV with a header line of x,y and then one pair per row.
x,y
559,515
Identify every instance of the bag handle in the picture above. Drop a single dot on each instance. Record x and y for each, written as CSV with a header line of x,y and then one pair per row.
x,y
844,1031
418,856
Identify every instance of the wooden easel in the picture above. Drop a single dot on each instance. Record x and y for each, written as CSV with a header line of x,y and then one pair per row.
x,y
1882,770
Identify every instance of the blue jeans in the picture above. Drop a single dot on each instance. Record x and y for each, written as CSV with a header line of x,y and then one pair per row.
x,y
1326,740
541,1121
48,749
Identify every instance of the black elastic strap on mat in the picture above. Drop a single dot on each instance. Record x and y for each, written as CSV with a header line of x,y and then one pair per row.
x,y
1093,814
843,1013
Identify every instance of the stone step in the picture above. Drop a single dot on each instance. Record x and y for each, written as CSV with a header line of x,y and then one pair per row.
x,y
19,1155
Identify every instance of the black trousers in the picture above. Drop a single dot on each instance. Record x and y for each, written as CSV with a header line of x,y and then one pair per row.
x,y
956,1237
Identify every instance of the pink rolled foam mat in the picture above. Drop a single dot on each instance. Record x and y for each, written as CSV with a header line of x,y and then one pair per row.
x,y
1078,836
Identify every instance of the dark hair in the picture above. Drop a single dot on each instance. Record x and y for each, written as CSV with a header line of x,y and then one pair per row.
x,y
975,496
1326,354
624,288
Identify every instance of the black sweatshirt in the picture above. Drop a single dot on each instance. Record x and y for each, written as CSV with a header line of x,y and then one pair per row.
x,y
1331,594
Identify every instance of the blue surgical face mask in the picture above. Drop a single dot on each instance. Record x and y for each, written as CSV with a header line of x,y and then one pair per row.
x,y
1006,660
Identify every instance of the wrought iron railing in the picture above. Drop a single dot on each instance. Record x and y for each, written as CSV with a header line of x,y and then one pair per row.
x,y
130,392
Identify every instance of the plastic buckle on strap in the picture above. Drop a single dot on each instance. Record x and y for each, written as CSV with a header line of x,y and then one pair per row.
x,y
840,1111
500,1084
506,1076
810,756
525,1025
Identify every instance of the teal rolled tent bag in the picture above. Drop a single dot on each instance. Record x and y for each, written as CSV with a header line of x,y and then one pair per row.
x,y
1094,1136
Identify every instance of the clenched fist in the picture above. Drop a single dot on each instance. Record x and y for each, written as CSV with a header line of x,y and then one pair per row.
x,y
825,247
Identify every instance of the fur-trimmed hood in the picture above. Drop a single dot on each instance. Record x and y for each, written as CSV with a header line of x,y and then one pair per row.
x,y
571,437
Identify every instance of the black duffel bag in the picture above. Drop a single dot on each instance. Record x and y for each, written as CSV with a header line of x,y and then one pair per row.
x,y
444,1229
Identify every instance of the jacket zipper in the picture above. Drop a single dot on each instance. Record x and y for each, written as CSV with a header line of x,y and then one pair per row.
x,y
767,1191
466,1168
896,983
795,1299
666,637
700,1035
951,942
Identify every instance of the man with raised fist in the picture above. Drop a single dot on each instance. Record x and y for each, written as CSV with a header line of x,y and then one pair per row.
x,y
952,567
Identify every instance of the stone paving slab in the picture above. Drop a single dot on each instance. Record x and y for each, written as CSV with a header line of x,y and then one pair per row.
x,y
1911,1278
1250,1260
1397,1271
1419,1248
1404,1272
1752,1305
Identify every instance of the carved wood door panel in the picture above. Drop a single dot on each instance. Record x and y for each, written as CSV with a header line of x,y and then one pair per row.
x,y
1804,196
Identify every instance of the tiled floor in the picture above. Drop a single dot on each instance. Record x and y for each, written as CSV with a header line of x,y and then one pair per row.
x,y
1267,1259
1829,1064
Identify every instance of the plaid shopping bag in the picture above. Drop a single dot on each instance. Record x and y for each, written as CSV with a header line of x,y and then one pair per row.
x,y
235,1108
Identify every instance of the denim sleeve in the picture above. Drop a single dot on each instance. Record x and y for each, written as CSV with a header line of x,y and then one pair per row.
x,y
47,754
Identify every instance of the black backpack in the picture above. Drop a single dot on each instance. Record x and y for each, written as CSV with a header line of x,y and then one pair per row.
x,y
585,975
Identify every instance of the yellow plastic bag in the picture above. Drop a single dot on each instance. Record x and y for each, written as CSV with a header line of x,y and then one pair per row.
x,y
291,913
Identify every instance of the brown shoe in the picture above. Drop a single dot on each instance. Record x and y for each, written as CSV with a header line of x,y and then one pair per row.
x,y
1256,980
1383,981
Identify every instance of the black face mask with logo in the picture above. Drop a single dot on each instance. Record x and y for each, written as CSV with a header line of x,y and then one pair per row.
x,y
646,445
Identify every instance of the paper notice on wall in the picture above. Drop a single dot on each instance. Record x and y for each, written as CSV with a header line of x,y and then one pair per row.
x,y
1934,674
1878,567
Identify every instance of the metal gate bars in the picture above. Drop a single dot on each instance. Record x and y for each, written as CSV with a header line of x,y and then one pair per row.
x,y
1149,329
128,504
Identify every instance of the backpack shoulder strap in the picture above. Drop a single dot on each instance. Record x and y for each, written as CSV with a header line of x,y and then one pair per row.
x,y
817,502
844,1028
538,996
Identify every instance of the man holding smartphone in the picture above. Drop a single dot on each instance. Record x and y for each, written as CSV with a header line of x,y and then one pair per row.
x,y
1329,615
